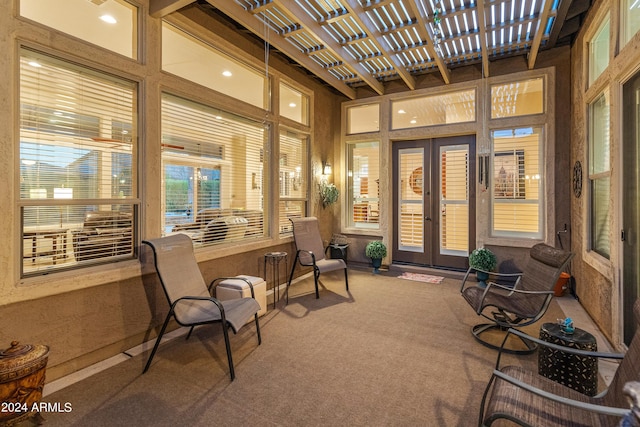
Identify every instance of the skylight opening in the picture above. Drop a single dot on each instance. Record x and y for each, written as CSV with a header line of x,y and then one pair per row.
x,y
392,20
455,18
466,22
404,10
502,12
475,19
378,22
533,8
493,14
502,36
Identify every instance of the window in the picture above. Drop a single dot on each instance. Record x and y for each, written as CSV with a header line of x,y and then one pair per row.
x,y
448,108
630,17
363,118
200,63
110,24
363,175
519,98
78,193
599,51
599,175
294,105
213,168
516,178
292,179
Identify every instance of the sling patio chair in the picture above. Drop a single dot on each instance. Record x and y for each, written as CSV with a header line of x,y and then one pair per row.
x,y
311,253
526,398
519,303
190,300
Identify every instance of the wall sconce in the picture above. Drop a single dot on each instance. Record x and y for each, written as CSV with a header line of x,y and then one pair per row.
x,y
326,169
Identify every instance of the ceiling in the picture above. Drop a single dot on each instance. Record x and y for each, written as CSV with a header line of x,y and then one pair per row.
x,y
349,44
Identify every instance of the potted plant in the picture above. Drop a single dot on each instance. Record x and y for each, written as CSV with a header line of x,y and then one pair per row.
x,y
376,250
483,261
329,194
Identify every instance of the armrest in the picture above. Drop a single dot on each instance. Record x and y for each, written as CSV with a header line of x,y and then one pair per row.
x,y
607,410
494,274
310,253
195,298
214,283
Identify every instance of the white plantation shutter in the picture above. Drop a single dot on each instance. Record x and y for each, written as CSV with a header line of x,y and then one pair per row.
x,y
454,200
77,156
516,180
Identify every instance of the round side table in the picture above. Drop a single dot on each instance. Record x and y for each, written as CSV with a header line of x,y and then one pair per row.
x,y
577,372
274,259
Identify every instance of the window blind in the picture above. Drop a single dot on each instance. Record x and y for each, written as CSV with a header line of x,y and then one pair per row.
x,y
293,172
213,166
77,146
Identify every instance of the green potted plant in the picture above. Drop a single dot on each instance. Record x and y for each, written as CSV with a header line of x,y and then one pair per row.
x,y
483,261
376,250
329,194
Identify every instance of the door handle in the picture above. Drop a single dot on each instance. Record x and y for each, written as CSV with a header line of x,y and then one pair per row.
x,y
427,218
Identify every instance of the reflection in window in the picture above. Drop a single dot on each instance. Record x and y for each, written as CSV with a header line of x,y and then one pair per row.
x,y
189,58
599,51
77,142
448,108
599,175
630,17
516,178
294,105
213,167
363,118
292,179
363,160
519,98
111,24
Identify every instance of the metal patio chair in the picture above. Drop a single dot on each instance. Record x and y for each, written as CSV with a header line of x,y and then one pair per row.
x,y
518,304
190,300
310,252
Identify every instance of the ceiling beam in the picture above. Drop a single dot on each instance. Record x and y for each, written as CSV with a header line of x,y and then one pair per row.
x,y
240,15
161,8
537,38
363,20
299,15
425,32
483,37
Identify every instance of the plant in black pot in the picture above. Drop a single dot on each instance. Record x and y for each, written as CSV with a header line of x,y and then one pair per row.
x,y
483,261
376,250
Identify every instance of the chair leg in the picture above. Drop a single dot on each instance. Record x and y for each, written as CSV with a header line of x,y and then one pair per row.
x,y
316,274
225,331
346,278
155,346
293,269
258,329
478,330
189,334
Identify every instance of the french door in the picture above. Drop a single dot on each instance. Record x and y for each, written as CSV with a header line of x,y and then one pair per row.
x,y
434,201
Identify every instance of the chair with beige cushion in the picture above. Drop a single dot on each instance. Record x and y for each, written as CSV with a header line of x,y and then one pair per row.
x,y
190,300
310,251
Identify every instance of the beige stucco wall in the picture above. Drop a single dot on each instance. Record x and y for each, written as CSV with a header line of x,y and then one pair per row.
x,y
90,315
598,279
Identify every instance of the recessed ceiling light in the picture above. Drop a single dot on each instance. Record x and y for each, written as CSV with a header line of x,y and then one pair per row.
x,y
227,73
401,112
292,104
34,64
108,19
413,122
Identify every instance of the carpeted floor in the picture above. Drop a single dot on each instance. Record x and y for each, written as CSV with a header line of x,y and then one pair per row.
x,y
389,352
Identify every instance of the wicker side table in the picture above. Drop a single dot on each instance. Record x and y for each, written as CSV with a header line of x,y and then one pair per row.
x,y
577,372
